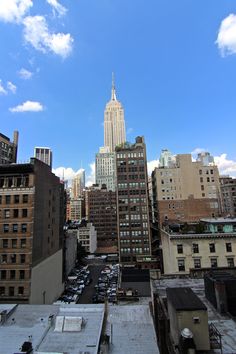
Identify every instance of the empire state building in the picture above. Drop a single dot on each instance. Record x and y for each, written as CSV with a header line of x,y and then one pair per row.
x,y
114,122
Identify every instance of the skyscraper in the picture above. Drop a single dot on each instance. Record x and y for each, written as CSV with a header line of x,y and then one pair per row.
x,y
43,154
78,184
106,168
8,149
114,122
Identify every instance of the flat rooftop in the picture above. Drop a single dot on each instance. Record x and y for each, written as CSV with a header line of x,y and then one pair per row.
x,y
132,330
32,321
184,299
225,324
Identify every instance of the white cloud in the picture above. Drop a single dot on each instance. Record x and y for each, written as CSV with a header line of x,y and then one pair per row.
x,y
91,176
226,166
226,39
11,87
3,91
151,166
28,106
36,33
25,74
61,10
14,10
197,151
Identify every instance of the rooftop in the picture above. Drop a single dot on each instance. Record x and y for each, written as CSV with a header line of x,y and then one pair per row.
x,y
32,321
225,324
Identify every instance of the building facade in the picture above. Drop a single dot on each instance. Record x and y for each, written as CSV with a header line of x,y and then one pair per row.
x,y
133,223
76,209
100,209
213,247
43,154
228,195
31,233
87,236
8,149
187,191
105,168
114,122
78,184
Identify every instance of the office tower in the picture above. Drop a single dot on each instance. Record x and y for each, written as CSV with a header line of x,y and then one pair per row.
x,y
105,168
100,207
8,149
114,122
228,195
76,211
134,237
43,154
166,159
186,191
31,233
78,184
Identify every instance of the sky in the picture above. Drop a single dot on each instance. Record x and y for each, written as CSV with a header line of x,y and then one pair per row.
x,y
175,73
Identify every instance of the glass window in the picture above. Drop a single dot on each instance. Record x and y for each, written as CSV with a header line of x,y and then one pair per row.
x,y
22,274
213,262
179,248
181,265
197,262
230,262
2,290
24,213
23,227
15,227
3,274
11,291
14,243
212,247
228,247
22,258
7,213
195,248
4,243
5,228
16,199
15,213
4,259
25,198
23,243
20,290
12,274
13,258
8,199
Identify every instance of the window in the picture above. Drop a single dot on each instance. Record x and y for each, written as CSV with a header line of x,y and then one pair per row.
x,y
22,274
179,248
22,258
4,259
25,198
5,228
23,243
15,213
14,243
11,291
212,247
3,274
20,290
230,262
213,262
24,213
16,199
4,243
228,247
13,258
195,248
2,290
15,228
202,187
181,265
7,213
197,263
23,228
12,274
8,199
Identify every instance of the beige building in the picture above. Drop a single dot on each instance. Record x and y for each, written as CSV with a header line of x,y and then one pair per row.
x,y
212,245
114,122
187,191
8,149
78,184
76,209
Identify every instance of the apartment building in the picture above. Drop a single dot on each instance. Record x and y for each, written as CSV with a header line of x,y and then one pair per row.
x,y
31,233
8,149
210,244
228,195
134,237
187,191
100,210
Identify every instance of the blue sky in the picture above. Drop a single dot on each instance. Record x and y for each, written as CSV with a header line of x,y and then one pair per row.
x,y
174,64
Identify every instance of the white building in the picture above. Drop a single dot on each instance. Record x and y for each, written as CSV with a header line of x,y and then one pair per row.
x,y
105,168
87,236
114,122
43,154
213,248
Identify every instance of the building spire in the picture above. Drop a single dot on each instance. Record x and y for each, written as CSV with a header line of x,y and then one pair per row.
x,y
113,89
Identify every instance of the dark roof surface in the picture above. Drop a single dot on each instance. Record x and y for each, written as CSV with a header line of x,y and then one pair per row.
x,y
184,299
